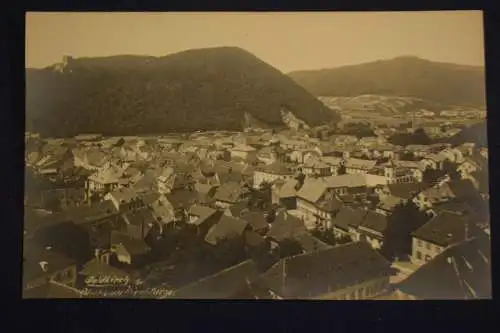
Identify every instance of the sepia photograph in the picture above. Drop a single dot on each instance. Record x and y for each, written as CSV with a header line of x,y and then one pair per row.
x,y
256,156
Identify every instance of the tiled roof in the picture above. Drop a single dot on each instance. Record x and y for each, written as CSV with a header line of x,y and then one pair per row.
x,y
276,168
446,229
201,212
227,227
348,217
124,194
388,203
143,216
438,194
345,181
222,285
461,272
132,245
309,243
229,192
360,164
329,205
288,189
256,219
374,221
330,160
407,190
312,190
317,273
181,198
286,226
243,148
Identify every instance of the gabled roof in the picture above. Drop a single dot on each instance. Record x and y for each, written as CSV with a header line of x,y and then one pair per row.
x,y
222,285
286,226
317,273
348,217
201,213
309,243
374,221
142,216
237,209
330,204
109,175
360,164
446,229
243,148
288,189
124,195
330,160
276,168
315,164
388,203
461,272
312,190
229,192
257,220
181,198
346,180
407,190
227,227
133,246
437,194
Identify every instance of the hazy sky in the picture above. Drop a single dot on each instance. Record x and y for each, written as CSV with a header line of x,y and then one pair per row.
x,y
288,41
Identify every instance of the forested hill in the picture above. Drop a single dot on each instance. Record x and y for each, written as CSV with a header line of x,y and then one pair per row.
x,y
203,89
406,76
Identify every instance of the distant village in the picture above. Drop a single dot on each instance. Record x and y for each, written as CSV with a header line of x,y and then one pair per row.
x,y
255,215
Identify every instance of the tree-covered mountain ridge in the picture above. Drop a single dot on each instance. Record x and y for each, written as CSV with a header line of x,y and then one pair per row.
x,y
406,76
202,89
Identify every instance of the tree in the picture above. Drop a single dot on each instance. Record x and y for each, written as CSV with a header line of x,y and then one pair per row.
x,y
405,219
419,137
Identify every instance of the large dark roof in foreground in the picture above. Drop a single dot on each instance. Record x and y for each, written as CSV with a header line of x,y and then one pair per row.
x,y
460,272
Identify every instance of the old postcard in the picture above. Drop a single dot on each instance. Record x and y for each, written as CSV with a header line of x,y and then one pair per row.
x,y
331,156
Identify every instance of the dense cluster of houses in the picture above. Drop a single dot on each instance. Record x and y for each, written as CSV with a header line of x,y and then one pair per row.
x,y
99,212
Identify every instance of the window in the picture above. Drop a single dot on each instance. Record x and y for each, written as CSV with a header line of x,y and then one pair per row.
x,y
419,243
419,255
428,246
427,258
